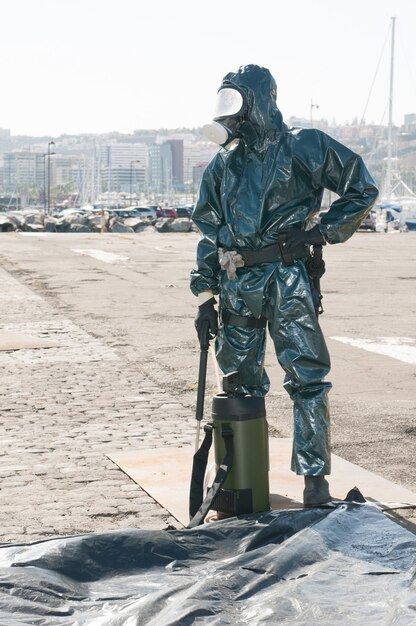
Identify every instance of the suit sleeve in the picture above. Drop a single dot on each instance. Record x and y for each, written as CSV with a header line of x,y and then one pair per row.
x,y
208,218
344,172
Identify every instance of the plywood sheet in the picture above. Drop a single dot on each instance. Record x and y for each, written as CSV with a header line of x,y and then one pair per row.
x,y
164,473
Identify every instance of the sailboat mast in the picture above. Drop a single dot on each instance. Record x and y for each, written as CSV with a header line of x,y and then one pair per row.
x,y
390,129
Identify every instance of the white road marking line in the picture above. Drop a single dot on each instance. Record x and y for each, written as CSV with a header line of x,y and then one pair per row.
x,y
401,348
101,255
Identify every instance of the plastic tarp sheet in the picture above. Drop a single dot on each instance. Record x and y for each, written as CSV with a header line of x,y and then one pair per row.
x,y
344,565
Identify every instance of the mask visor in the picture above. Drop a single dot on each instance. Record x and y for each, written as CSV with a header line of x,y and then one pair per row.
x,y
229,103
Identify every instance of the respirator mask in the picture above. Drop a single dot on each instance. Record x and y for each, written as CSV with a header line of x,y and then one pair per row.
x,y
230,111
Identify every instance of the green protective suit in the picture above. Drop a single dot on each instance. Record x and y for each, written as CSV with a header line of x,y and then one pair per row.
x,y
271,181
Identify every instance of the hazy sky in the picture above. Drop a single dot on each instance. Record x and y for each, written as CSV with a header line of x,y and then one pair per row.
x,y
72,66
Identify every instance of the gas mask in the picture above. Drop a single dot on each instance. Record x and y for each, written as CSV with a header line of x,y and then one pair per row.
x,y
230,111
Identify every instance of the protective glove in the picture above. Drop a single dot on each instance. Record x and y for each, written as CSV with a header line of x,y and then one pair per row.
x,y
207,314
297,237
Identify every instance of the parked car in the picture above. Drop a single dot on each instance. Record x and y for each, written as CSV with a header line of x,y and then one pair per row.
x,y
124,213
184,211
369,222
409,221
166,212
144,211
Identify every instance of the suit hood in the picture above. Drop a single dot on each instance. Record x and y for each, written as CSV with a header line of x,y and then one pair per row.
x,y
264,119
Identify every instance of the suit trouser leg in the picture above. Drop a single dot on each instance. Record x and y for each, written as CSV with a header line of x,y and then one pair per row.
x,y
242,350
301,351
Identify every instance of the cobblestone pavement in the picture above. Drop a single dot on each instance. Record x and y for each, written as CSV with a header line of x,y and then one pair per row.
x,y
62,410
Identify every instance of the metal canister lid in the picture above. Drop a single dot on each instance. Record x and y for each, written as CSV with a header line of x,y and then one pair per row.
x,y
238,407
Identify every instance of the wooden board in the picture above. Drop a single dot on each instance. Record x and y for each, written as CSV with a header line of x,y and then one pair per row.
x,y
164,473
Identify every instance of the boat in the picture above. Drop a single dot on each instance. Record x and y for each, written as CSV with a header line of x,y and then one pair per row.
x,y
397,197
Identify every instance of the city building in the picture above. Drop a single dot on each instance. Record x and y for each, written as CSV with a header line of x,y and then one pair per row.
x,y
176,146
160,169
162,166
5,140
23,170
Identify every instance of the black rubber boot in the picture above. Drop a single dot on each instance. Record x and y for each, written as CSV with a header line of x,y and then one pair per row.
x,y
316,491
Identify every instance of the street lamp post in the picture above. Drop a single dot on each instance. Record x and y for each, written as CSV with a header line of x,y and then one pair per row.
x,y
50,143
131,178
313,106
45,154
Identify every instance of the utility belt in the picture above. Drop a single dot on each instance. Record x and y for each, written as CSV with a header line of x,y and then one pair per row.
x,y
230,260
275,252
269,254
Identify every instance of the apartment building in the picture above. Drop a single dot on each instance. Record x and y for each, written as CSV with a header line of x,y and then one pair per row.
x,y
22,169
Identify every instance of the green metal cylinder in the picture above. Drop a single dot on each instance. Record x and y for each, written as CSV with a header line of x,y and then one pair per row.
x,y
246,488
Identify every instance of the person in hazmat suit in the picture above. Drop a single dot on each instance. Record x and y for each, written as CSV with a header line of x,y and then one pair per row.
x,y
255,208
